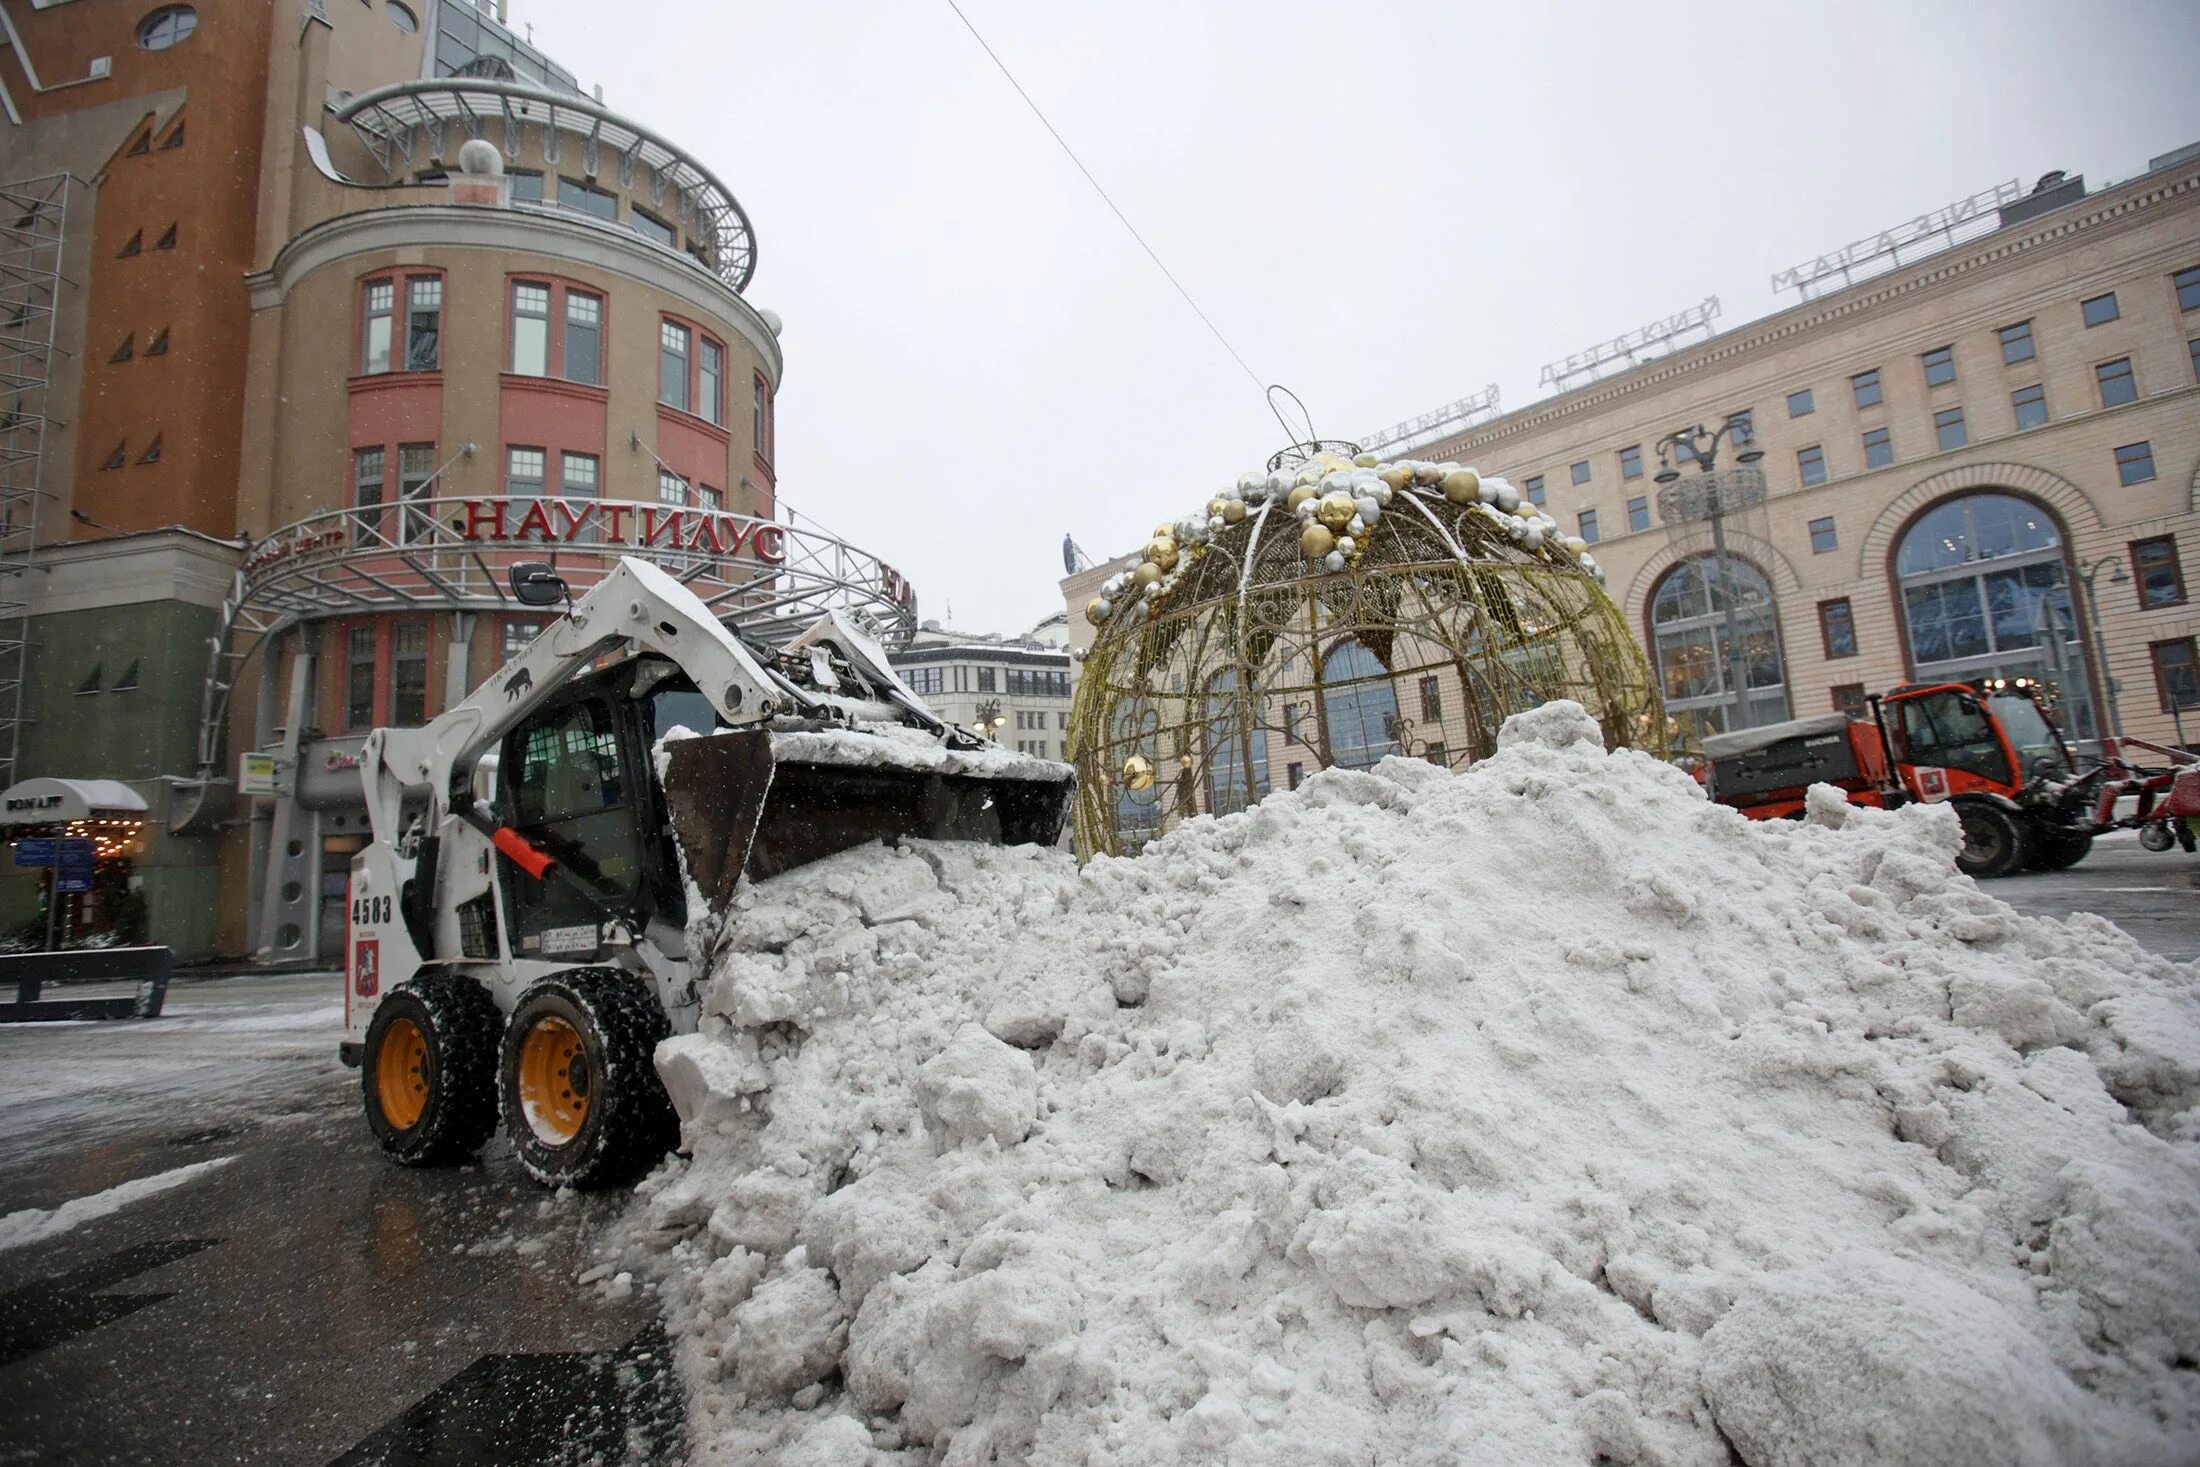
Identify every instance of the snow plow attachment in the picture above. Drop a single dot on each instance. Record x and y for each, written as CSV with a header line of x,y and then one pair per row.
x,y
756,804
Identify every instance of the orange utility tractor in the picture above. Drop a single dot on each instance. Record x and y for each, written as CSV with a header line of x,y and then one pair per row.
x,y
1989,749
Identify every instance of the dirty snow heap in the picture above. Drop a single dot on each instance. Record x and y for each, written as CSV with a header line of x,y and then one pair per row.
x,y
1543,1113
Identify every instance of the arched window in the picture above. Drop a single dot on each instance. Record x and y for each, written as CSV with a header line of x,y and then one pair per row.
x,y
1359,706
1986,593
1691,629
1228,788
1137,811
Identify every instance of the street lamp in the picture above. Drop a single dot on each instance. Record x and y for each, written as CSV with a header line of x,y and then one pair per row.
x,y
2120,577
1712,496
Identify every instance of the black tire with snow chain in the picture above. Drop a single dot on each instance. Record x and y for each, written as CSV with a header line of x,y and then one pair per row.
x,y
1995,842
427,1071
577,1080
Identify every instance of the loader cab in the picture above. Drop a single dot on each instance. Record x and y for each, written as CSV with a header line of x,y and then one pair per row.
x,y
1951,728
575,781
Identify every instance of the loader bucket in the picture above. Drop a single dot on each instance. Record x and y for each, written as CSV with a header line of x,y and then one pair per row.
x,y
736,811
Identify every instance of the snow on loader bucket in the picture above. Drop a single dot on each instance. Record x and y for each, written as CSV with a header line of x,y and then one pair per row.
x,y
520,926
749,803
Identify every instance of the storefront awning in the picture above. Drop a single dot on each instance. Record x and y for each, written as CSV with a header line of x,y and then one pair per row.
x,y
49,801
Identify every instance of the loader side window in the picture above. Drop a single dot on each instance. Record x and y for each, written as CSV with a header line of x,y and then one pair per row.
x,y
569,795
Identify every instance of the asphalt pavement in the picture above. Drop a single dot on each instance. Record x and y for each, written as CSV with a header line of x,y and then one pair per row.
x,y
281,1293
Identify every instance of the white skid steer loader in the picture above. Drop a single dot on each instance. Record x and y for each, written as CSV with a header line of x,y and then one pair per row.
x,y
519,927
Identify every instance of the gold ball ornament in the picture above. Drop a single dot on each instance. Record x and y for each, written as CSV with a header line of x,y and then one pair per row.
x,y
1096,611
1165,531
1161,551
1146,574
1316,541
1336,510
1300,495
1138,773
1233,511
1397,476
1462,486
1214,506
1366,460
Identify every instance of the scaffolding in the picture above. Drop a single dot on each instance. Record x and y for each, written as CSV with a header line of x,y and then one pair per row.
x,y
33,225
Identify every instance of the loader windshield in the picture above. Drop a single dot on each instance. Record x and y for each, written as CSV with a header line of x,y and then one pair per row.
x,y
569,797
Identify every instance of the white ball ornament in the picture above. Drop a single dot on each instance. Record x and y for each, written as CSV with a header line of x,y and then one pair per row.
x,y
1333,561
1281,483
1487,491
1346,544
1355,526
1533,538
1383,495
1508,498
1250,481
1215,524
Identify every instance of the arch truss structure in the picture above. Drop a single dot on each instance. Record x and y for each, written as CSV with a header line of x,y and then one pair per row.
x,y
1266,655
411,125
763,579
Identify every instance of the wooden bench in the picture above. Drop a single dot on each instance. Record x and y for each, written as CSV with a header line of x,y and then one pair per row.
x,y
148,967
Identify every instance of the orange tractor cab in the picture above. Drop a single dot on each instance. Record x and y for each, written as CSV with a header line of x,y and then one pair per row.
x,y
1990,749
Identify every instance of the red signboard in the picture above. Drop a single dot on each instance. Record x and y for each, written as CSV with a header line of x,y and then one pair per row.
x,y
620,522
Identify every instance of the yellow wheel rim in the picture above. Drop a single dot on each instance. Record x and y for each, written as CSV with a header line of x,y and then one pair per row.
x,y
401,1074
554,1080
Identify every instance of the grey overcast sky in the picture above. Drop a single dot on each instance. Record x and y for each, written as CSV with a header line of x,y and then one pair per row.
x,y
1385,206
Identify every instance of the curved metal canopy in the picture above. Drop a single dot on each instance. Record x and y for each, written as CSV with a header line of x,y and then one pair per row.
x,y
411,120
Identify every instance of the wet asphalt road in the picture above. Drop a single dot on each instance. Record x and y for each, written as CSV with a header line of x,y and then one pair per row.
x,y
307,1302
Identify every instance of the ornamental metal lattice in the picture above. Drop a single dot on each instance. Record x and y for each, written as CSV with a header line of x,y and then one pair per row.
x,y
1332,612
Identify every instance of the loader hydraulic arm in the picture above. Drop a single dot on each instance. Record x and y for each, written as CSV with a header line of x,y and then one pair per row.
x,y
636,603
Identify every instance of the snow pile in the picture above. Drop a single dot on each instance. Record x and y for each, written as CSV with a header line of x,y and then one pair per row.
x,y
1540,1113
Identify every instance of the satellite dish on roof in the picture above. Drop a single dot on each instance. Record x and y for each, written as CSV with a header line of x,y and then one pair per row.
x,y
1074,559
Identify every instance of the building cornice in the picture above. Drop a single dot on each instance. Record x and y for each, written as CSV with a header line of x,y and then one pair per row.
x,y
2056,229
510,231
170,564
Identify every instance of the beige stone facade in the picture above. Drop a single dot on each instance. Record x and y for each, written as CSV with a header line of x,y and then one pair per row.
x,y
2132,241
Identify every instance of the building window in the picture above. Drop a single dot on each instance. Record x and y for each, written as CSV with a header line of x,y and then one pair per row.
x,y
1359,706
152,452
1849,698
762,426
1866,387
2117,384
1744,424
2101,310
577,476
526,186
381,298
167,239
710,402
2160,577
583,338
409,674
159,345
1588,522
359,678
134,245
585,199
1638,512
415,482
2135,463
1837,627
2176,673
1940,366
90,684
119,457
1801,404
2030,405
1294,775
985,680
1692,653
367,493
1878,448
523,476
1291,724
653,229
1822,537
1630,462
402,18
127,350
671,488
1810,465
423,322
672,365
2016,343
1985,594
168,26
1535,490
530,328
1432,700
2192,351
2188,288
1580,471
128,682
142,146
1948,428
